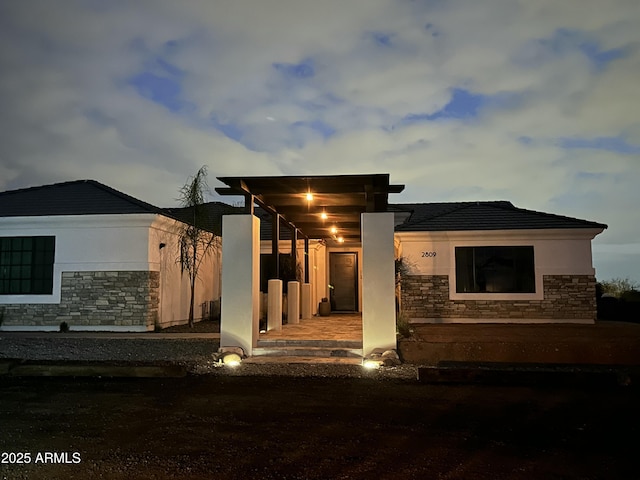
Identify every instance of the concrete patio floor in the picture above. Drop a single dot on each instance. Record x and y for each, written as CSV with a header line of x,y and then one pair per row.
x,y
337,326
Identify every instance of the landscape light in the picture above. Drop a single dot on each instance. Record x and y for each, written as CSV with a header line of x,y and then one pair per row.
x,y
230,356
231,359
371,364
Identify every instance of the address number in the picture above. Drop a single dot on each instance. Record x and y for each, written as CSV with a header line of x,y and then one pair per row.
x,y
428,254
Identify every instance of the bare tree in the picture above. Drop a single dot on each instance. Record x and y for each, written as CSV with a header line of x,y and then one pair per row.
x,y
195,241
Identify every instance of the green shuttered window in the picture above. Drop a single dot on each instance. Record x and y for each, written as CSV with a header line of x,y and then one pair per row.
x,y
26,265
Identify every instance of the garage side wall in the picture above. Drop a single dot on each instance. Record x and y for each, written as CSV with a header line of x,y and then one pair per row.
x,y
567,298
127,300
564,278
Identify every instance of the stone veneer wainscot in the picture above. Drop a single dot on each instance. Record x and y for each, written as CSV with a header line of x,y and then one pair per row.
x,y
122,298
566,297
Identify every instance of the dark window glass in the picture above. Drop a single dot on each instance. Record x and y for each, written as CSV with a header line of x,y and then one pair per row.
x,y
495,270
26,265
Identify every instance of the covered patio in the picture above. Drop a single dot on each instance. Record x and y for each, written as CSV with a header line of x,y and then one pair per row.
x,y
337,326
341,212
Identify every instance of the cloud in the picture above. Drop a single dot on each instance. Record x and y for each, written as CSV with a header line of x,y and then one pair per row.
x,y
461,100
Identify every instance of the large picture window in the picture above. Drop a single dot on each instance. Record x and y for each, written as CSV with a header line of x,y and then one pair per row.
x,y
495,270
26,265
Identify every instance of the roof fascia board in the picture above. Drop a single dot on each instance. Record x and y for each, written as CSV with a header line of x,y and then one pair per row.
x,y
545,234
84,221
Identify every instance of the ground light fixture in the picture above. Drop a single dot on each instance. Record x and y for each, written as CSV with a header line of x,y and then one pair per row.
x,y
232,360
371,364
380,357
230,356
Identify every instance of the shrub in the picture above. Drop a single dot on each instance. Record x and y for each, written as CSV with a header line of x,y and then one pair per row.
x,y
64,327
403,327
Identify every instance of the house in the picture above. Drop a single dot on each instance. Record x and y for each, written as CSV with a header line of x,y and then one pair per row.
x,y
493,262
98,259
465,262
83,253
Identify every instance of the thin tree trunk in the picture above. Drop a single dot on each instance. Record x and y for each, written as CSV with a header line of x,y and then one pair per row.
x,y
194,272
193,288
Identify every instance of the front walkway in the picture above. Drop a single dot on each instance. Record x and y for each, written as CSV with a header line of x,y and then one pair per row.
x,y
337,326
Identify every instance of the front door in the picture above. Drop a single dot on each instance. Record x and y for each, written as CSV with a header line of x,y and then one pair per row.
x,y
343,275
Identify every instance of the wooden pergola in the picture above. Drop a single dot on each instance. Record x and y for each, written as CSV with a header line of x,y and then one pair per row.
x,y
313,207
339,209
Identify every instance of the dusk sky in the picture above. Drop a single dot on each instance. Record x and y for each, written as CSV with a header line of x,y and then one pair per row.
x,y
536,102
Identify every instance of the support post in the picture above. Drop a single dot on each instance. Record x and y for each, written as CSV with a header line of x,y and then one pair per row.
x,y
294,248
378,283
275,239
306,259
239,322
274,305
306,309
293,302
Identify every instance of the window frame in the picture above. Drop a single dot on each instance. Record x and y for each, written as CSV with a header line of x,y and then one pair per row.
x,y
27,265
537,294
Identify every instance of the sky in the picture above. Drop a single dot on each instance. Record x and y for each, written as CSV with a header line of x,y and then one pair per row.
x,y
536,102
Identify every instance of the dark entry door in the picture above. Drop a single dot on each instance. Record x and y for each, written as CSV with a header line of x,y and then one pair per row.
x,y
343,275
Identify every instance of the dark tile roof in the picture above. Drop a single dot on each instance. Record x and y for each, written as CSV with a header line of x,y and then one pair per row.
x,y
79,197
88,197
209,215
498,215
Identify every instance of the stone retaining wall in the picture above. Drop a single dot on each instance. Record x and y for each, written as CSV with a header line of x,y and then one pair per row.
x,y
566,297
123,298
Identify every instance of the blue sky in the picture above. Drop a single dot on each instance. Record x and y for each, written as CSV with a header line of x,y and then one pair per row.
x,y
533,102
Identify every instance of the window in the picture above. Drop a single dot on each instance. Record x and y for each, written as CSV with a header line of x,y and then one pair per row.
x,y
26,265
495,270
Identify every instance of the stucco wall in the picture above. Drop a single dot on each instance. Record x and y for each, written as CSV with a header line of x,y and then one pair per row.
x,y
174,284
126,300
564,277
567,298
109,244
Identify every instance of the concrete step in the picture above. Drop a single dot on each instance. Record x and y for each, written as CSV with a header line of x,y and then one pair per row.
x,y
292,360
307,351
286,343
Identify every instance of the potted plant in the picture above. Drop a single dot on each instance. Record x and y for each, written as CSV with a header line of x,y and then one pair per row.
x,y
324,307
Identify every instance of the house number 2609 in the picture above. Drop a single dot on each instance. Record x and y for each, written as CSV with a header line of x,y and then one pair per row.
x,y
428,254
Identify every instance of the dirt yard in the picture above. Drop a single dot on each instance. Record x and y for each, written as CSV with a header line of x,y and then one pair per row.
x,y
229,427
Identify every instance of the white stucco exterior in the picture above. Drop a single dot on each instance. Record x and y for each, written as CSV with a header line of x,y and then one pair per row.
x,y
111,243
556,252
239,323
378,283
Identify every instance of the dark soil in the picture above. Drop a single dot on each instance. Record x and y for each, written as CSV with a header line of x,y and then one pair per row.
x,y
204,326
316,428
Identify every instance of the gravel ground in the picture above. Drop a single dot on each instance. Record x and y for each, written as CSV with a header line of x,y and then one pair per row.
x,y
196,355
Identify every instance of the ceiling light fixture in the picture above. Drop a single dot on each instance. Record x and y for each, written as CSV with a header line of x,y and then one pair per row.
x,y
309,196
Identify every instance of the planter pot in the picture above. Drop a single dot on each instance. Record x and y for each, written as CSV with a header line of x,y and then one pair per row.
x,y
324,309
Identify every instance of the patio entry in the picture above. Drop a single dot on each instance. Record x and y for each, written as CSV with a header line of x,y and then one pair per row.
x,y
343,274
347,213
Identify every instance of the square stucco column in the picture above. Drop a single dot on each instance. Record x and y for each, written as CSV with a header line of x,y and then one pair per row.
x,y
239,321
378,283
